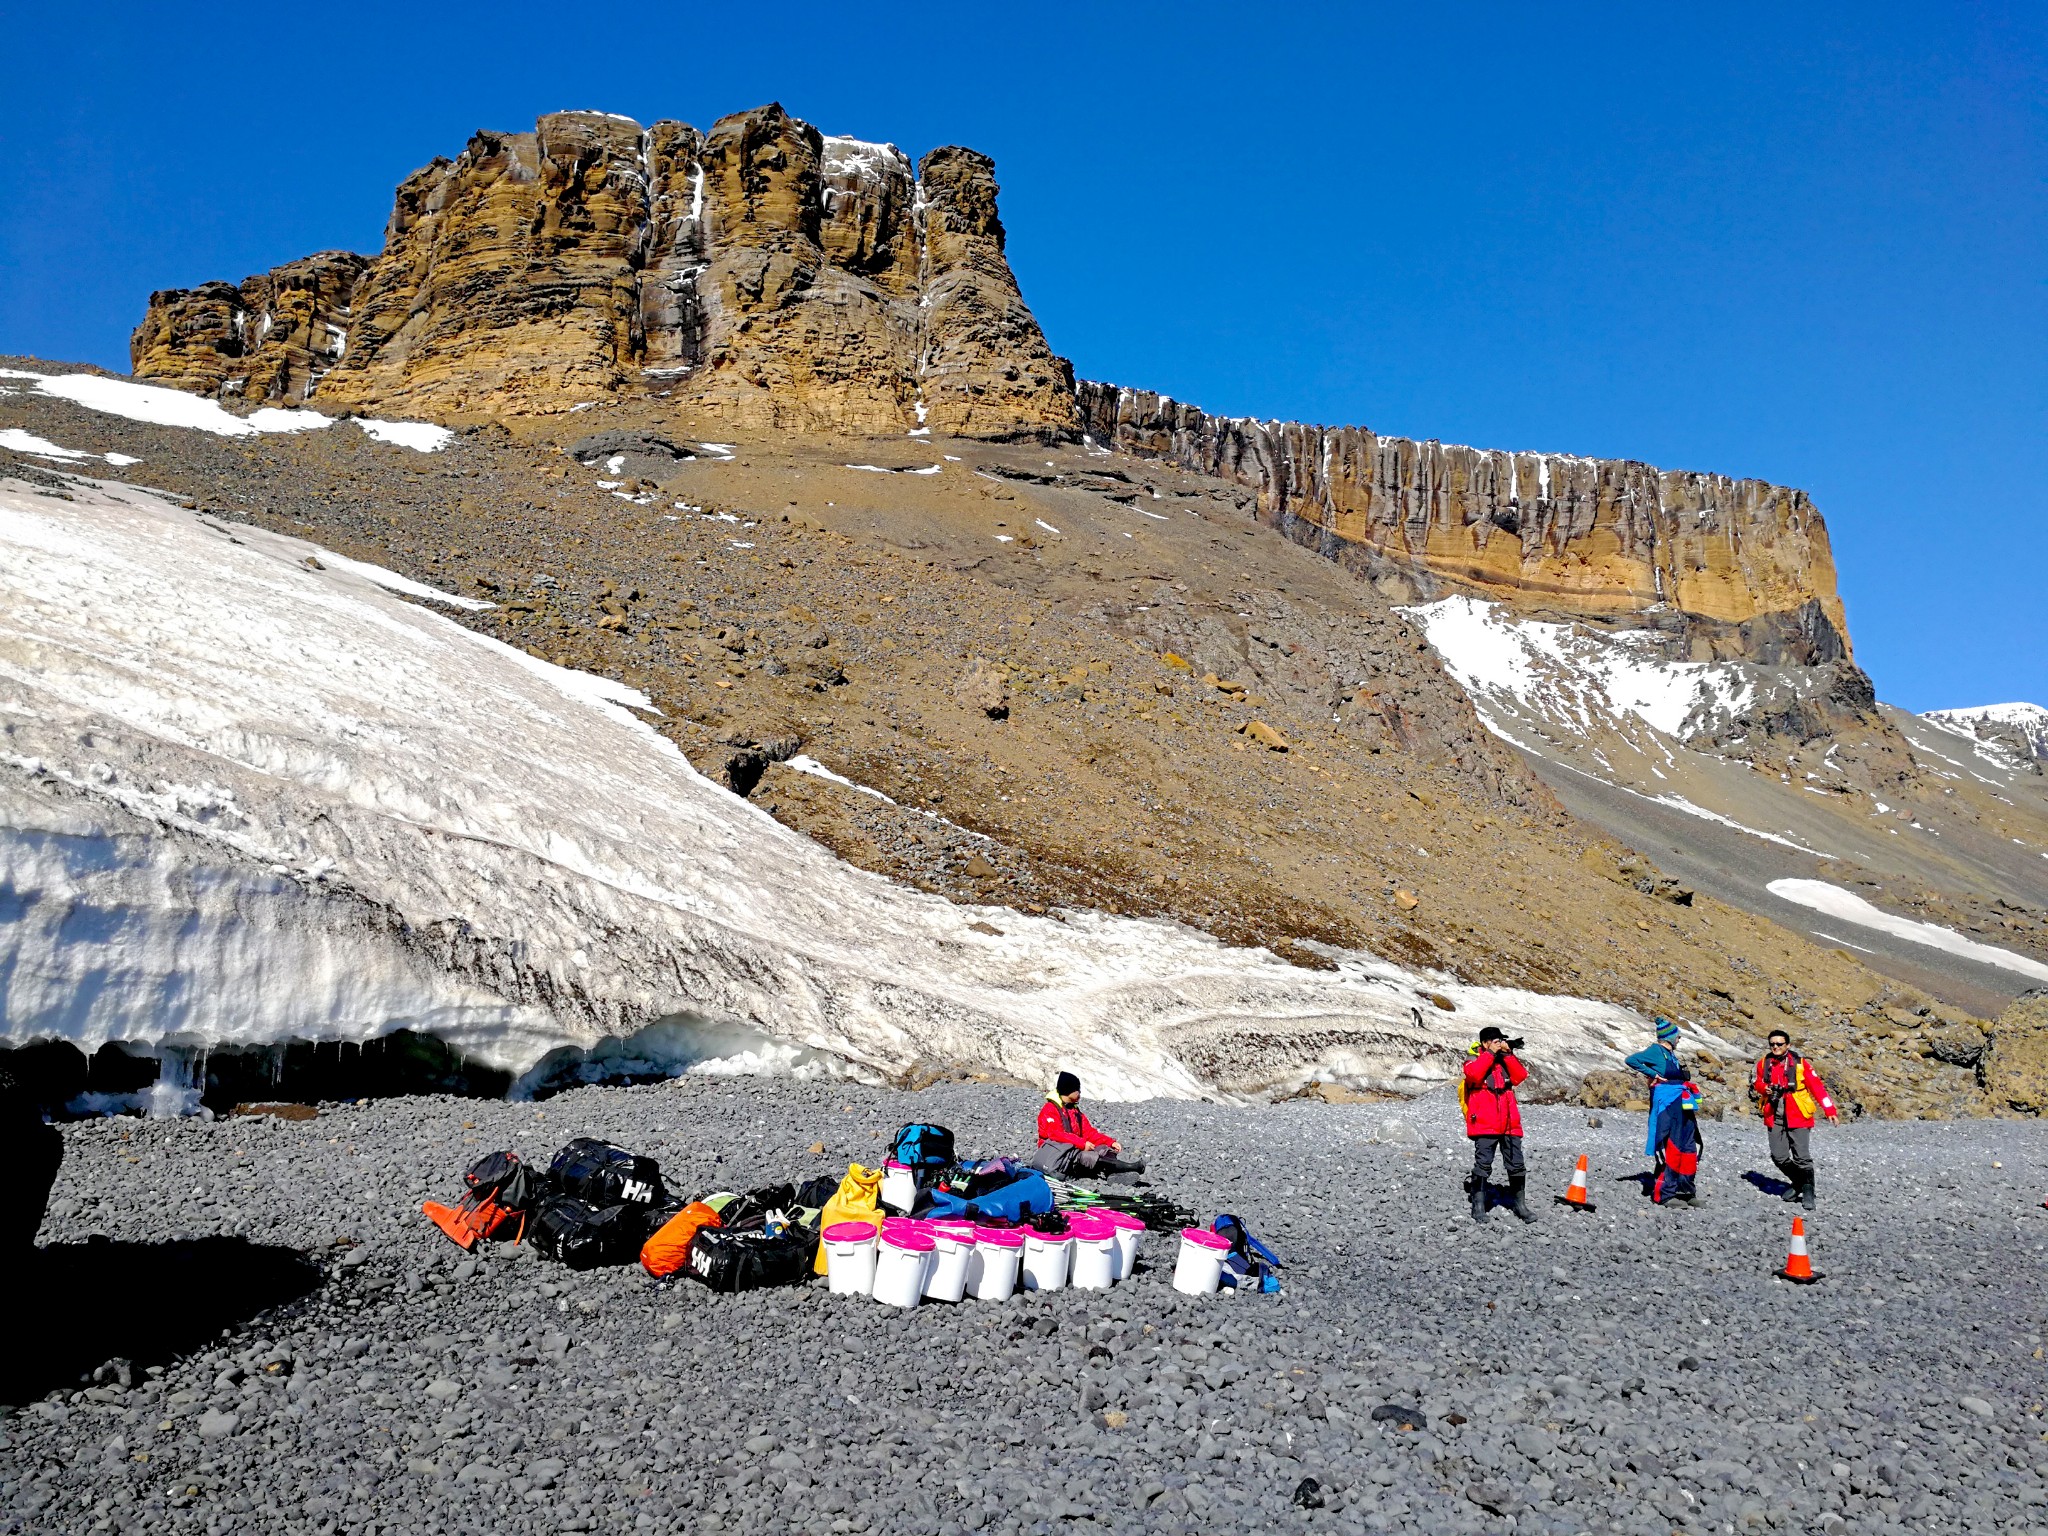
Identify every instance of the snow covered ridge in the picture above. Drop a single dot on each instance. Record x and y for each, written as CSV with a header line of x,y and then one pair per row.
x,y
174,408
246,798
2011,734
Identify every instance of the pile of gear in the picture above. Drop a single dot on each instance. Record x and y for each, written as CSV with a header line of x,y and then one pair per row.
x,y
928,1224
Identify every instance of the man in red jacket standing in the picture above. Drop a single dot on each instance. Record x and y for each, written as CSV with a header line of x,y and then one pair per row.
x,y
1069,1145
1493,1119
1789,1094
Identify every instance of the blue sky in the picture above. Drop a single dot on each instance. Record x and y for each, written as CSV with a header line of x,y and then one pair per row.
x,y
1806,243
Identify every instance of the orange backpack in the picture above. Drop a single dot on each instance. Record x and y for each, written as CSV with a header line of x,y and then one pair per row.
x,y
669,1249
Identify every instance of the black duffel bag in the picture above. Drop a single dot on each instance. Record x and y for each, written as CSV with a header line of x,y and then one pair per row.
x,y
586,1236
749,1261
600,1174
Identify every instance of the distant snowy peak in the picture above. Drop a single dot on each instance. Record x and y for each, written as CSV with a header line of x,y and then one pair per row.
x,y
1581,680
2018,732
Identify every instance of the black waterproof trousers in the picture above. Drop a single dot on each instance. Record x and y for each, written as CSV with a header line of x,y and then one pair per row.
x,y
1483,1150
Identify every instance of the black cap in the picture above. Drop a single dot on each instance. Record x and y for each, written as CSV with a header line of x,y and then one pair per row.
x,y
1065,1084
1492,1032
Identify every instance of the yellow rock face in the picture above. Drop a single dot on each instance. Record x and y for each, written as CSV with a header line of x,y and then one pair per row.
x,y
760,274
272,338
1551,531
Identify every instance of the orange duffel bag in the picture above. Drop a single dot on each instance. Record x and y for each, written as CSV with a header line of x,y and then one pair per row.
x,y
669,1249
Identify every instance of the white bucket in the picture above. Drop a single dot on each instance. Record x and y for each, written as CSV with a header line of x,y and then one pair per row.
x,y
1130,1232
849,1258
1094,1262
900,1262
955,1246
992,1265
1045,1261
899,1188
1199,1269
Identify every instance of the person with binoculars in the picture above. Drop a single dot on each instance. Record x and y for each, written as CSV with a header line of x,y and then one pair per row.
x,y
1493,1119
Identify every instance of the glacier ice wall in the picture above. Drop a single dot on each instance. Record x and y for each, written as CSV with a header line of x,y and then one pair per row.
x,y
247,796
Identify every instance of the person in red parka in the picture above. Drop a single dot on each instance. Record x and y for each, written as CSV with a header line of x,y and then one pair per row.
x,y
1493,1119
1791,1096
1069,1145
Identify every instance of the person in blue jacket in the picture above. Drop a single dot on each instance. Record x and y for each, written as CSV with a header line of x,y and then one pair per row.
x,y
1672,1136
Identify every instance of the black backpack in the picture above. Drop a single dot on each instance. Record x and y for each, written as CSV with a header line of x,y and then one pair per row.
x,y
598,1173
814,1193
584,1236
502,1177
749,1261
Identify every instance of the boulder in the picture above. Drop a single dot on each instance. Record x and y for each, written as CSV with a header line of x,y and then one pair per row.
x,y
981,686
1614,1090
1958,1044
2014,1066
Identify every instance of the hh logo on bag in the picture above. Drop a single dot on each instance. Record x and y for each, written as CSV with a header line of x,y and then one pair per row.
x,y
636,1191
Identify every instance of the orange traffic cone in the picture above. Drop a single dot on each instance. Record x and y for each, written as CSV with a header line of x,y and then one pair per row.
x,y
1798,1267
1576,1196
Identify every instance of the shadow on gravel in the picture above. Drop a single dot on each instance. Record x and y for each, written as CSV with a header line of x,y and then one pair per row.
x,y
98,1301
1769,1185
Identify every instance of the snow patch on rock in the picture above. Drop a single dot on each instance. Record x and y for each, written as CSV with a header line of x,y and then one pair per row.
x,y
1574,677
1846,906
154,404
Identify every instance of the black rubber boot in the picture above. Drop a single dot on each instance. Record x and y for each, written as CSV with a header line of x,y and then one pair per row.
x,y
1479,1202
1806,1190
1515,1201
1792,1184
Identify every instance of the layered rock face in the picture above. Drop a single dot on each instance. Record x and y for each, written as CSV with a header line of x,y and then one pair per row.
x,y
1741,567
761,274
273,338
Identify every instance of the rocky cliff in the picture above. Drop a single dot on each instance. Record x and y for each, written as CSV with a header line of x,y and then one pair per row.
x,y
1739,569
765,277
761,274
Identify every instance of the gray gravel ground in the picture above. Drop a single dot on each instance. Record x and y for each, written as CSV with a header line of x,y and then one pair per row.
x,y
1632,1370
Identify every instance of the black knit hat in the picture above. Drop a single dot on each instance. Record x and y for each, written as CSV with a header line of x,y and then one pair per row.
x,y
1492,1032
1065,1084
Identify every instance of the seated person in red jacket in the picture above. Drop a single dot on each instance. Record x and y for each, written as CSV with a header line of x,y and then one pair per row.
x,y
1069,1145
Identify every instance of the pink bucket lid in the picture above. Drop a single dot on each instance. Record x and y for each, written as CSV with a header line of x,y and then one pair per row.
x,y
1202,1237
1123,1220
849,1232
1000,1237
1091,1229
909,1241
893,1166
960,1231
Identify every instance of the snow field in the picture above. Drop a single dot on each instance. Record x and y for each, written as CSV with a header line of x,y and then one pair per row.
x,y
248,800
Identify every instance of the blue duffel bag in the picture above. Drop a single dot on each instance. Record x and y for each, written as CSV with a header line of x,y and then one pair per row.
x,y
1026,1195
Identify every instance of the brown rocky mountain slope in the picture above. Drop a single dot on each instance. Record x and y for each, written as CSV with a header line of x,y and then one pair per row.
x,y
594,300
1107,684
